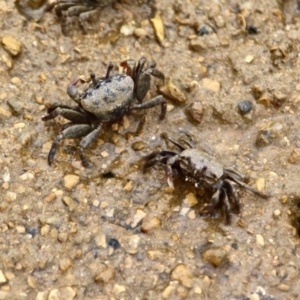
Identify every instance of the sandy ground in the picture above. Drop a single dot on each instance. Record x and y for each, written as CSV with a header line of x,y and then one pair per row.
x,y
114,231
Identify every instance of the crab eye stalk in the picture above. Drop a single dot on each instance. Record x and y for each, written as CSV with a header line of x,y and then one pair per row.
x,y
93,78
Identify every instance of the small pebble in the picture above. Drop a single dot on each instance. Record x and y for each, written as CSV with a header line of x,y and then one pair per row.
x,y
211,85
283,287
254,297
140,32
118,289
138,146
196,111
42,295
190,200
138,217
70,181
65,264
69,202
150,223
4,112
2,277
171,91
158,26
277,213
11,45
114,243
215,256
100,240
249,59
106,275
245,106
128,186
16,81
66,293
260,240
14,106
131,244
183,275
50,197
260,184
20,229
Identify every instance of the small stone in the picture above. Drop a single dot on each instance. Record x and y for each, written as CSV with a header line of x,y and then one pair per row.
x,y
127,29
171,91
215,256
42,295
105,275
198,290
211,85
11,45
7,60
183,275
50,197
16,81
284,199
65,264
283,287
45,230
254,297
138,217
65,293
70,181
4,112
114,243
260,184
100,240
149,223
245,106
2,277
46,147
190,200
62,237
68,201
140,32
196,111
158,26
15,106
32,281
277,213
118,289
260,240
128,186
138,146
249,59
10,196
132,244
166,294
192,215
26,176
20,229
104,154
294,157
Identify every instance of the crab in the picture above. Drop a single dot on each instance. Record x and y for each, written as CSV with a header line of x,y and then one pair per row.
x,y
106,99
205,172
81,10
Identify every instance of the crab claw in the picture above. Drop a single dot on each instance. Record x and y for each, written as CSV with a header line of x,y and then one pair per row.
x,y
169,173
170,182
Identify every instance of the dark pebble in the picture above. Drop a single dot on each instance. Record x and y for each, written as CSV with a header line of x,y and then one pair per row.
x,y
15,106
245,106
114,243
32,231
202,31
252,29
